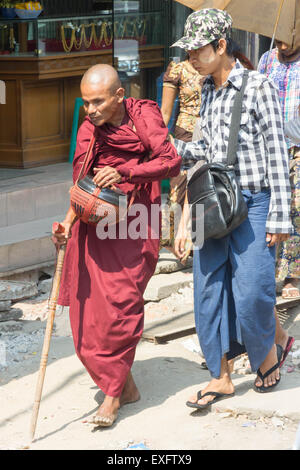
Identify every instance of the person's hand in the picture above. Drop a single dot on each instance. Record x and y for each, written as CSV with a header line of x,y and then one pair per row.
x,y
181,243
273,238
61,232
61,237
106,176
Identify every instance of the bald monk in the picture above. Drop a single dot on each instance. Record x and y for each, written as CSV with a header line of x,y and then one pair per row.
x,y
104,280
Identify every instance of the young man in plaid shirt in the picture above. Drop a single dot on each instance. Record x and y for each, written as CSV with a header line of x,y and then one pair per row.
x,y
234,277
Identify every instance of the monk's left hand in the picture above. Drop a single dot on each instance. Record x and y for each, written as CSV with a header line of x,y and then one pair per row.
x,y
105,177
273,238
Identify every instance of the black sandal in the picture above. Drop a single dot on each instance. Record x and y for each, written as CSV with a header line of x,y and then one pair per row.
x,y
218,396
262,388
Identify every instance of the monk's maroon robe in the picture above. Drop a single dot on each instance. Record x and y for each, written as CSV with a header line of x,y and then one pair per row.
x,y
103,281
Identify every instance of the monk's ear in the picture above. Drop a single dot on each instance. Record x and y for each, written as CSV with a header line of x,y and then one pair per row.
x,y
120,93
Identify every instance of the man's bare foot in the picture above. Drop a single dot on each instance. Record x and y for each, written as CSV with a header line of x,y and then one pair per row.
x,y
223,385
107,412
270,361
130,392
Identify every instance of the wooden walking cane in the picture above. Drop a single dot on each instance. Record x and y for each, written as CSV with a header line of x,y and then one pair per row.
x,y
56,228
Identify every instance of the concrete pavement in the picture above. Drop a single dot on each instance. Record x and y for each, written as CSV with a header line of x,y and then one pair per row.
x,y
167,375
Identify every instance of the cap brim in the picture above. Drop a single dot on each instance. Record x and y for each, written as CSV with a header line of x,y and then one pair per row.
x,y
189,44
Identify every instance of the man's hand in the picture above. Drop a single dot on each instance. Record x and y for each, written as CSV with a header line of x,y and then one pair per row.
x,y
179,245
106,176
182,242
61,236
273,238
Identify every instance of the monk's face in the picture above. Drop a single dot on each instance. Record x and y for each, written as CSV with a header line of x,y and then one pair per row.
x,y
286,53
101,103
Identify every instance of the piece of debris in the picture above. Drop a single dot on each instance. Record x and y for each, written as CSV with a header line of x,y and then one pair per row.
x,y
124,444
227,414
192,346
139,446
242,365
249,424
296,345
277,422
296,354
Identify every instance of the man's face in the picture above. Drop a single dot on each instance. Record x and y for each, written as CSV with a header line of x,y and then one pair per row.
x,y
205,59
100,103
286,53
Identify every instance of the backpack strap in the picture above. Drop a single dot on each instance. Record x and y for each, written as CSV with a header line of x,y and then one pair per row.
x,y
236,122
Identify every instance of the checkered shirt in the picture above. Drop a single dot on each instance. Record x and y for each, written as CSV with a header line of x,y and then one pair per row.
x,y
262,158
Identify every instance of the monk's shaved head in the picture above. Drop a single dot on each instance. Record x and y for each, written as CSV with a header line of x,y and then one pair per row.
x,y
103,95
104,75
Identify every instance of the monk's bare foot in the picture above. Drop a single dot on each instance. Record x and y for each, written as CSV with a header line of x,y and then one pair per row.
x,y
268,363
223,385
130,392
107,412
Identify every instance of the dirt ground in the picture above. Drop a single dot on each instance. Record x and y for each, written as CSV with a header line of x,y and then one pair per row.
x,y
166,376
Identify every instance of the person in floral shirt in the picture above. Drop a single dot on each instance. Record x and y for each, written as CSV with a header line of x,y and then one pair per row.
x,y
182,80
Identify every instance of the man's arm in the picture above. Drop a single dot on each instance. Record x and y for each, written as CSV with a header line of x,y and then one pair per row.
x,y
190,152
169,94
163,161
270,120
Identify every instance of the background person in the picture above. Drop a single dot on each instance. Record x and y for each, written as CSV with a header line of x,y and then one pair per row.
x,y
182,80
283,69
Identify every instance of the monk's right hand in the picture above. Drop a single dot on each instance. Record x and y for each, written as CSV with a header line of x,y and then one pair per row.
x,y
61,237
61,232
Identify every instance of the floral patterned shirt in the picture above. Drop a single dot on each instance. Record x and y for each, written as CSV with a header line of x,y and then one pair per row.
x,y
188,81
